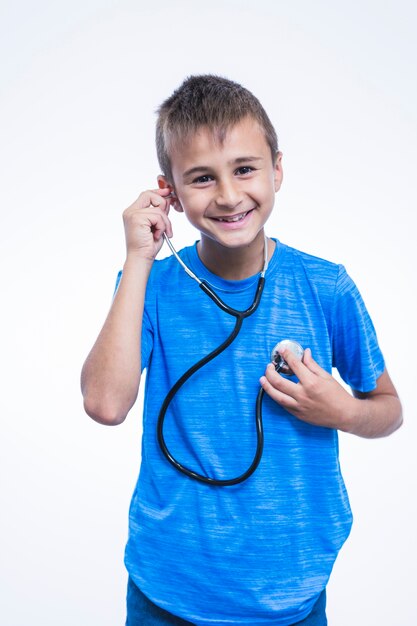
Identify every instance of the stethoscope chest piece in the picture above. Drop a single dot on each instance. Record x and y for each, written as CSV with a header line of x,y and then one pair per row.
x,y
280,364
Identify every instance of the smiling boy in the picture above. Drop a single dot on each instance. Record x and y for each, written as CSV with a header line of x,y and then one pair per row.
x,y
227,190
259,552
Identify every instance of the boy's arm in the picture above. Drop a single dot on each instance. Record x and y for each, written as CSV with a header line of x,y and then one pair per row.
x,y
319,399
111,373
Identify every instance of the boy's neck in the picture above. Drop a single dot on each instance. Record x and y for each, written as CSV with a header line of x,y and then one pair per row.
x,y
234,263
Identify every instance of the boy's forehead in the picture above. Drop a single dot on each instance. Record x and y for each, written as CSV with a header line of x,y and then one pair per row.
x,y
240,136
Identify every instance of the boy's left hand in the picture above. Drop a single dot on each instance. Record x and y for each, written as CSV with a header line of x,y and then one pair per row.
x,y
317,398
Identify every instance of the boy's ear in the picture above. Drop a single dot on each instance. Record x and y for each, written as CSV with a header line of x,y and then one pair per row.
x,y
278,173
163,183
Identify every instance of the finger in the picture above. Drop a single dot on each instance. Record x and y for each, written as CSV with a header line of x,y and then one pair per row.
x,y
169,231
160,201
281,383
151,198
312,365
281,398
294,363
168,196
163,191
145,215
160,224
152,219
168,227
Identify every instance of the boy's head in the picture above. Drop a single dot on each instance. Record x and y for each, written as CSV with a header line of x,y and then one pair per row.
x,y
210,101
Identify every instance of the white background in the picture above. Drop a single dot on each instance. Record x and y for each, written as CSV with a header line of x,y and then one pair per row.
x,y
80,82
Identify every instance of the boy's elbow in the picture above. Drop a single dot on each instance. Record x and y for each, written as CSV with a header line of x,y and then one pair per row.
x,y
394,415
398,416
104,412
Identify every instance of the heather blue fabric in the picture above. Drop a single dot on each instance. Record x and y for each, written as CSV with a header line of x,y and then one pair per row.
x,y
142,612
268,545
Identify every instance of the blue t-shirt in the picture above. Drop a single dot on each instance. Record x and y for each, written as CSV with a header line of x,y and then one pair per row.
x,y
259,552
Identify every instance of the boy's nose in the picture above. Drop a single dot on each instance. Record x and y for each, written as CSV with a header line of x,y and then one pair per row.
x,y
228,195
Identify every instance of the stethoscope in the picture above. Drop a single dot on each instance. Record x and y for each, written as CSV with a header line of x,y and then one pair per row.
x,y
280,366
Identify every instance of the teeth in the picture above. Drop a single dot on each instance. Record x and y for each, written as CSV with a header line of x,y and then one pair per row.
x,y
237,218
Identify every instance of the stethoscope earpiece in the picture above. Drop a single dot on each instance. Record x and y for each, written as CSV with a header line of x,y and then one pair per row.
x,y
281,365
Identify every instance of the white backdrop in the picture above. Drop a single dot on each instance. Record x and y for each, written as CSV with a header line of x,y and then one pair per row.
x,y
80,82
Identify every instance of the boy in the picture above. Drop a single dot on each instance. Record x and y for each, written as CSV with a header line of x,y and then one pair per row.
x,y
259,551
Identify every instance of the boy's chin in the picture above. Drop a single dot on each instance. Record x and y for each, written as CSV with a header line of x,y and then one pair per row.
x,y
231,240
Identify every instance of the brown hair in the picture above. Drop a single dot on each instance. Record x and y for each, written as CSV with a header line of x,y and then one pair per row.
x,y
207,100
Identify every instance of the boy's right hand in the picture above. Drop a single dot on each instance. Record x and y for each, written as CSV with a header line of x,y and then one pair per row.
x,y
145,221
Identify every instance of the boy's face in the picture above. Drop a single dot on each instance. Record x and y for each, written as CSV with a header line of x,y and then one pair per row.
x,y
226,189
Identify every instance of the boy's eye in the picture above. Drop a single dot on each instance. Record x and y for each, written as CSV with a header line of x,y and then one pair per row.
x,y
245,169
206,178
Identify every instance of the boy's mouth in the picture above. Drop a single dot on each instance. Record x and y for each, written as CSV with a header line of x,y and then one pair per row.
x,y
233,218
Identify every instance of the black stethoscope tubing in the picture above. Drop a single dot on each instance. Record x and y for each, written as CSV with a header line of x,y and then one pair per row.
x,y
240,316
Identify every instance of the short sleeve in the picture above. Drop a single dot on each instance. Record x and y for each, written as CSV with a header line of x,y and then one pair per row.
x,y
147,332
356,353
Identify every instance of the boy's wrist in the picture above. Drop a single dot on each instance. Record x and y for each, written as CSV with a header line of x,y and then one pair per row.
x,y
348,415
137,260
355,415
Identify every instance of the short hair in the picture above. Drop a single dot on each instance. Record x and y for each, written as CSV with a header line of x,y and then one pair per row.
x,y
207,100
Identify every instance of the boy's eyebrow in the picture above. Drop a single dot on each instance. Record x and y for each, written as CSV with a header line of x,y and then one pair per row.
x,y
205,168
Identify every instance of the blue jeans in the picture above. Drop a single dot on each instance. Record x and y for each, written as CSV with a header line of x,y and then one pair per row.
x,y
142,612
